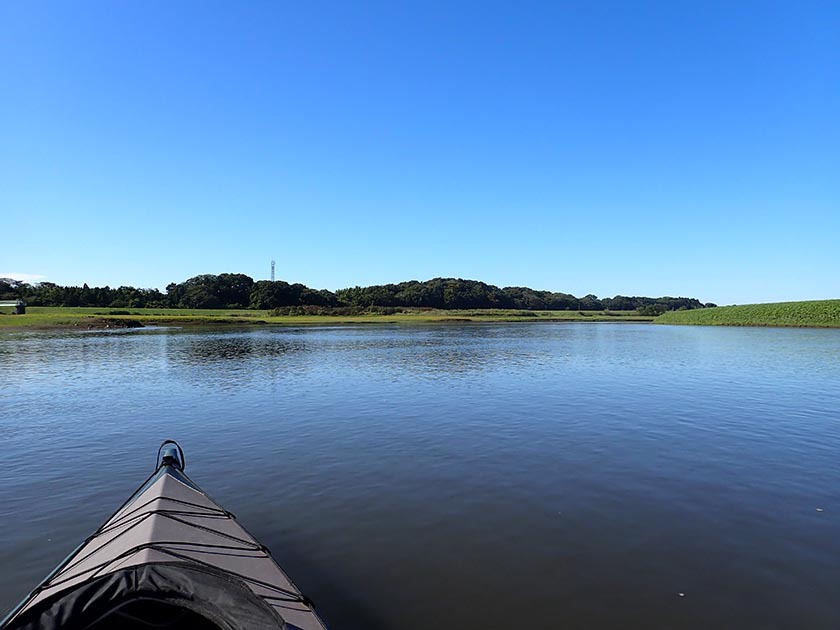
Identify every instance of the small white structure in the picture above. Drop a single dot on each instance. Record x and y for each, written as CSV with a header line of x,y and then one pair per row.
x,y
18,305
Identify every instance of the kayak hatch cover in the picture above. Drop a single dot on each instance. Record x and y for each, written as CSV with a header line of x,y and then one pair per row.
x,y
169,558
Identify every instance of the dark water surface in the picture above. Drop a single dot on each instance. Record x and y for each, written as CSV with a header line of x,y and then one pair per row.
x,y
484,476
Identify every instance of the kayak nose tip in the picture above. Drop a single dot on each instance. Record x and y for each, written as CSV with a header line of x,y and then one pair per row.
x,y
170,453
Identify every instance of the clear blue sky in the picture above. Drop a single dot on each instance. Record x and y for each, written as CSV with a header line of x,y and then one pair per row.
x,y
642,148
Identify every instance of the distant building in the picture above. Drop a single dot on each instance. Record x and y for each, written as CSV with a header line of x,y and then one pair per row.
x,y
18,305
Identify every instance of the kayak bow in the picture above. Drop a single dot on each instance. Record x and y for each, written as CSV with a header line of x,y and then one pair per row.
x,y
169,557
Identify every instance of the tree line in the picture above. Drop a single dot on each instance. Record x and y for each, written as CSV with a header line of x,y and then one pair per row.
x,y
236,290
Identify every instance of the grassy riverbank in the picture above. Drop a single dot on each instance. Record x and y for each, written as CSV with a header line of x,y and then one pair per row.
x,y
46,317
817,314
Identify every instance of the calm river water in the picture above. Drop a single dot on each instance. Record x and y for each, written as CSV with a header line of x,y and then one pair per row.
x,y
457,476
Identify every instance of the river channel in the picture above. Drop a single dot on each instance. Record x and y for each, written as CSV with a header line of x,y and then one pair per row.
x,y
529,475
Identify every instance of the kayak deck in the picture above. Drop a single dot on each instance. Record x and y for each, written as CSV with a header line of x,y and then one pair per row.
x,y
169,552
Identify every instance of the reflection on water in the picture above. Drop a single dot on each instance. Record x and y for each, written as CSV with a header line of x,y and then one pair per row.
x,y
536,475
240,347
227,360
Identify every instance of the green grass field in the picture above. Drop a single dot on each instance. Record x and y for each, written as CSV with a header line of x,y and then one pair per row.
x,y
48,317
821,313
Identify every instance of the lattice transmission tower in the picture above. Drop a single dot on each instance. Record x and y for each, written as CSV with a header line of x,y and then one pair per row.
x,y
272,271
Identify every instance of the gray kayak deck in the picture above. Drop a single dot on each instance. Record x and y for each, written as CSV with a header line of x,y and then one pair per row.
x,y
170,519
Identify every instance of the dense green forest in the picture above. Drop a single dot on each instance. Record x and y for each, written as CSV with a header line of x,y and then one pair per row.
x,y
236,290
